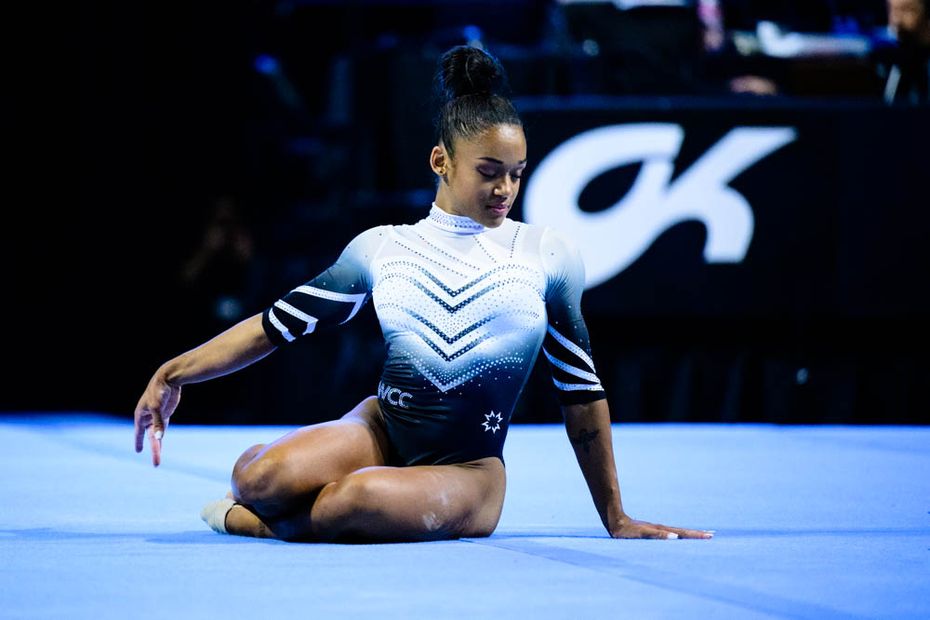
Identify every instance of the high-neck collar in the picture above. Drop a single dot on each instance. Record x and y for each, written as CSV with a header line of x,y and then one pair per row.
x,y
457,224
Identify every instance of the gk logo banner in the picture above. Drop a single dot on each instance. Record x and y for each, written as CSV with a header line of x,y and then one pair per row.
x,y
612,239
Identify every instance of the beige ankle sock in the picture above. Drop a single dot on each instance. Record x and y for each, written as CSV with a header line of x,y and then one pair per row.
x,y
214,514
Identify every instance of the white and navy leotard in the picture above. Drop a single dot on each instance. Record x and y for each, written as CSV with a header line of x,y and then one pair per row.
x,y
464,310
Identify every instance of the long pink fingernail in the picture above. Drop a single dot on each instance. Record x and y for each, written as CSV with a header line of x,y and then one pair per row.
x,y
672,536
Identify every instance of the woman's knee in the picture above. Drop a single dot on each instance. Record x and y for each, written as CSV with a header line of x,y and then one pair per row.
x,y
257,477
246,457
484,522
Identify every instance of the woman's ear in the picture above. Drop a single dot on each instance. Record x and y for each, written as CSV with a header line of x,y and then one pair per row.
x,y
438,160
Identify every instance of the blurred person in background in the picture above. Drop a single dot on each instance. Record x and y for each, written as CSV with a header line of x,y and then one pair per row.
x,y
218,280
904,64
644,47
217,273
665,47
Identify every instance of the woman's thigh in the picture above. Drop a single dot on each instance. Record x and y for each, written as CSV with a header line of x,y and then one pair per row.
x,y
412,503
273,477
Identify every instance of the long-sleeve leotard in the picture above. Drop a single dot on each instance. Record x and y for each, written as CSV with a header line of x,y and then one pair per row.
x,y
464,311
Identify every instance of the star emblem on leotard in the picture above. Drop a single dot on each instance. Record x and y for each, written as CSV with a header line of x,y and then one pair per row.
x,y
492,422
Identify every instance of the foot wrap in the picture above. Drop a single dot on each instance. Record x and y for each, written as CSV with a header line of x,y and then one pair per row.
x,y
214,514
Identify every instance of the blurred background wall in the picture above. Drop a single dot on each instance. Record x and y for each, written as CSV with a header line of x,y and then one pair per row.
x,y
175,167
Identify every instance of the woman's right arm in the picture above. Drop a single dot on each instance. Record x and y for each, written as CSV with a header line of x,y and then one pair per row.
x,y
235,348
331,298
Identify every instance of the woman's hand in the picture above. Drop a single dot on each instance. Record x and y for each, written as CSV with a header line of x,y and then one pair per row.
x,y
242,344
631,528
158,402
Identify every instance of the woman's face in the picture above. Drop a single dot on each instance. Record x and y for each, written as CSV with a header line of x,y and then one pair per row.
x,y
483,179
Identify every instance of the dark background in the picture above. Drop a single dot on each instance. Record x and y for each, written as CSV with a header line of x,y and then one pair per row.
x,y
126,123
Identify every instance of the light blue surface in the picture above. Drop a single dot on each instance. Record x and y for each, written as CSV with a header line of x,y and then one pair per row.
x,y
812,522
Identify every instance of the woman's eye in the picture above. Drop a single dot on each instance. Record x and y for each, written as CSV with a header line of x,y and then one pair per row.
x,y
516,176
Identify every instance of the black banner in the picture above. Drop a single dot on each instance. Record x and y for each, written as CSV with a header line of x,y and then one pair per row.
x,y
745,262
765,211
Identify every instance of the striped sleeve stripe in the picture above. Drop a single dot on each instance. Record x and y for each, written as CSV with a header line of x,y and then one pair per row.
x,y
280,327
294,312
353,298
571,346
571,387
572,370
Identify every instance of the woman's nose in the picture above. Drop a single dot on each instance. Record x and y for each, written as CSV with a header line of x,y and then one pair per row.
x,y
505,188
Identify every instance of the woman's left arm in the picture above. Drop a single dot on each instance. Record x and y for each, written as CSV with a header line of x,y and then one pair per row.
x,y
588,428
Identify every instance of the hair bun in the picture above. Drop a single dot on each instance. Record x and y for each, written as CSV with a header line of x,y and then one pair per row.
x,y
465,70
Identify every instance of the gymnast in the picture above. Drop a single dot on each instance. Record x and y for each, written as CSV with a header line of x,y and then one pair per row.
x,y
466,298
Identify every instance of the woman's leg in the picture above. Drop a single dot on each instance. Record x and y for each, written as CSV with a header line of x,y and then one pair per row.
x,y
328,481
410,503
392,504
272,481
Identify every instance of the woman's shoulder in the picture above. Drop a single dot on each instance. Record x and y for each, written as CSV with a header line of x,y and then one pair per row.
x,y
548,237
375,234
366,244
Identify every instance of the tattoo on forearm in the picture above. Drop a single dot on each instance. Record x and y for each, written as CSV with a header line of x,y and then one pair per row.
x,y
584,439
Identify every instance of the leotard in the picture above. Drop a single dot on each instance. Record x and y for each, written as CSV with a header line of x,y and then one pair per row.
x,y
464,311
